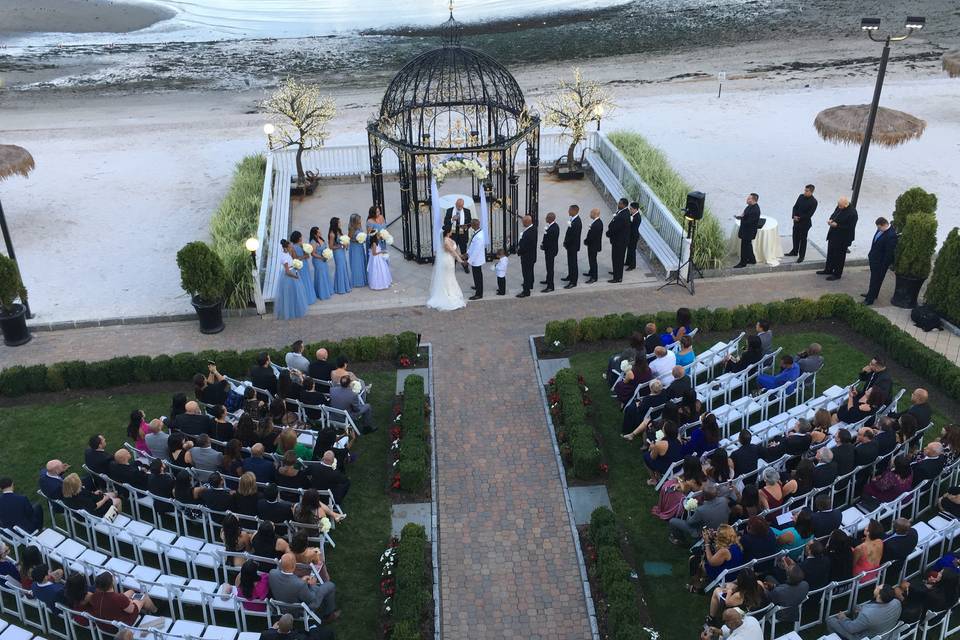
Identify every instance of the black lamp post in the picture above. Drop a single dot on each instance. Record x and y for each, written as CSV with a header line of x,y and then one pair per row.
x,y
869,25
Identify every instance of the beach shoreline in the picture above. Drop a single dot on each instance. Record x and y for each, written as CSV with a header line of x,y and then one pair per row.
x,y
73,16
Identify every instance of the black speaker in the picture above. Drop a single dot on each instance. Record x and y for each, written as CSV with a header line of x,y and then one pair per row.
x,y
694,208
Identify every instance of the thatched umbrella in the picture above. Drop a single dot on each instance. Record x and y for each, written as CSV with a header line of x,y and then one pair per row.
x,y
847,123
14,160
951,63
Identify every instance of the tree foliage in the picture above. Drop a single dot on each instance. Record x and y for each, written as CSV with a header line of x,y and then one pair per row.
x,y
913,200
11,285
574,106
300,115
201,272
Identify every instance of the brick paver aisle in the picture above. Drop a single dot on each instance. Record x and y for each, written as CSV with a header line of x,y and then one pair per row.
x,y
507,558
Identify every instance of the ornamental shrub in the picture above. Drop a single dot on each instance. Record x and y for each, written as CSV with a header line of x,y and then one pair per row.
x,y
590,329
722,320
74,373
55,381
201,272
943,290
412,581
611,326
916,246
11,285
407,343
140,369
913,200
367,348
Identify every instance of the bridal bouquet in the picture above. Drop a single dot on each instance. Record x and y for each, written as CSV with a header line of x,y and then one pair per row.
x,y
327,254
297,264
344,240
361,237
659,434
691,504
356,387
386,237
625,365
307,248
325,523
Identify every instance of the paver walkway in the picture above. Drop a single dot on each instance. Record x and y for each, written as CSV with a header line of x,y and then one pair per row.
x,y
943,342
507,561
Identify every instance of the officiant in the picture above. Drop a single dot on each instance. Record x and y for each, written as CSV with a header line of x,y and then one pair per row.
x,y
458,219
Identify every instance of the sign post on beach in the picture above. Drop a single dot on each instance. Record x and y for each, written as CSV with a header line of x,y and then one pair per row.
x,y
720,78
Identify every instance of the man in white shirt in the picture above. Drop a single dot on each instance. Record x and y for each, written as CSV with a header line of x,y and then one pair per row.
x,y
295,359
476,257
661,367
737,626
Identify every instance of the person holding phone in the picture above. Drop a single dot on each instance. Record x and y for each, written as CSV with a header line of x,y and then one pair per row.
x,y
108,604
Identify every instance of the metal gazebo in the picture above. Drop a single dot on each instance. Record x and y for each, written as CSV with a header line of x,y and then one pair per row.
x,y
455,101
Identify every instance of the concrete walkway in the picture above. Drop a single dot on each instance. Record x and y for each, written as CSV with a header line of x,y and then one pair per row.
x,y
507,556
943,342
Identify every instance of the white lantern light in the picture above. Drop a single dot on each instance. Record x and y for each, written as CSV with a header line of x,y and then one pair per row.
x,y
252,244
269,129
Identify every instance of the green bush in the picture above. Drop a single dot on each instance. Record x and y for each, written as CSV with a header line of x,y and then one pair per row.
x,y
916,246
201,272
943,290
19,380
414,465
611,326
913,200
412,583
585,455
722,320
11,285
613,576
407,343
406,630
368,348
98,375
387,347
55,379
234,221
560,334
140,368
603,527
590,330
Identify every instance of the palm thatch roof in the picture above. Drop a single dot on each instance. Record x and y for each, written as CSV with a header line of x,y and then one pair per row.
x,y
848,123
14,160
951,63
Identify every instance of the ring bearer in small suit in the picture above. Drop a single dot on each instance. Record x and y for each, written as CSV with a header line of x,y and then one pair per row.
x,y
476,257
458,218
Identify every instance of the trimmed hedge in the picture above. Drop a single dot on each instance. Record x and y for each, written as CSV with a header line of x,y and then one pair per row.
x,y
577,442
413,583
913,200
413,466
916,247
77,374
613,576
943,289
903,348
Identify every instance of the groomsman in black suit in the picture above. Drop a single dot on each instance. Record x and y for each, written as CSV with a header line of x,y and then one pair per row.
x,y
571,242
458,218
619,234
881,254
631,260
749,224
550,247
803,210
593,242
527,250
843,224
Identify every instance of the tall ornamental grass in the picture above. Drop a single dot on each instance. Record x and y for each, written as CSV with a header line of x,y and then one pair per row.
x,y
236,220
710,244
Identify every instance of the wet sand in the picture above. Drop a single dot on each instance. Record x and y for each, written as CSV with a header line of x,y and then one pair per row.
x,y
78,16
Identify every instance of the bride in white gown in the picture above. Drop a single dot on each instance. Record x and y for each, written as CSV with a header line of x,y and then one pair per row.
x,y
445,292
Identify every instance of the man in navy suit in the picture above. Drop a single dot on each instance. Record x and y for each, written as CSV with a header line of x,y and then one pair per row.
x,y
527,250
571,242
881,257
17,511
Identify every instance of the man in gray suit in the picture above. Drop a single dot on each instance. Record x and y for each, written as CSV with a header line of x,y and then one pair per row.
x,y
714,511
287,587
810,360
205,457
344,398
157,440
874,618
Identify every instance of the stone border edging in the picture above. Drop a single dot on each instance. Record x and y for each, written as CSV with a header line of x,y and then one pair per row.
x,y
63,325
584,579
434,504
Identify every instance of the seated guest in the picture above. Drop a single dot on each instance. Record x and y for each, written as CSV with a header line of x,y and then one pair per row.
x,y
343,397
311,509
51,479
341,370
261,467
843,452
178,405
290,473
137,428
789,595
253,407
747,505
710,514
681,328
232,462
295,358
736,626
935,592
179,449
717,468
909,433
875,376
194,422
311,396
79,498
824,517
96,457
810,361
17,511
857,408
126,471
8,567
758,542
184,490
822,421
897,547
931,465
212,388
866,555
161,483
703,438
686,355
77,593
814,563
651,339
765,333
246,430
635,413
745,458
253,588
721,551
320,369
794,538
661,367
747,359
288,440
222,429
283,629
247,497
885,433
825,471
674,490
867,450
107,604
639,374
215,495
950,502
615,362
950,439
288,388
789,371
919,407
234,538
156,440
796,441
30,557
840,551
663,453
45,589
271,507
892,483
326,476
205,457
261,374
267,434
875,618
285,586
680,383
801,480
771,491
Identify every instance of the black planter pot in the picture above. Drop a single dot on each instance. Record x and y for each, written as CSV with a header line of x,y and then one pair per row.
x,y
564,172
210,315
14,326
906,291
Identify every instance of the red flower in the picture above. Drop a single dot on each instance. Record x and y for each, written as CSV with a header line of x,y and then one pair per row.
x,y
604,467
395,432
394,542
586,401
551,381
554,398
404,361
396,481
580,380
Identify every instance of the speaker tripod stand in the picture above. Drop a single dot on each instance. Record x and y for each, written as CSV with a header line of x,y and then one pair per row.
x,y
677,278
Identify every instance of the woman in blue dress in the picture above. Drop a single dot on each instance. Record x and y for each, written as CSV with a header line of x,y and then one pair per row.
x,y
680,329
321,268
341,278
306,281
290,300
357,251
376,223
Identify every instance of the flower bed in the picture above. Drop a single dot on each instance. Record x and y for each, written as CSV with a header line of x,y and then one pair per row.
x,y
411,439
405,582
575,436
78,374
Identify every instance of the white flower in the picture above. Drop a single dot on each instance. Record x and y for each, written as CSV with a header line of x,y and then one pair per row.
x,y
307,248
361,237
625,365
297,264
691,504
387,237
344,240
659,434
324,525
556,343
327,254
356,387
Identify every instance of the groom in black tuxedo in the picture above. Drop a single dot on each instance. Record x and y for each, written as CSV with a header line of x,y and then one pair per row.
x,y
550,248
458,218
571,243
527,250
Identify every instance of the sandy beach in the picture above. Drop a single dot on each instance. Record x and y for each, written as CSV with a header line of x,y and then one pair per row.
x,y
79,16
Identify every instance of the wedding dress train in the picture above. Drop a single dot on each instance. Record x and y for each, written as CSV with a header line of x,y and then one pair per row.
x,y
445,292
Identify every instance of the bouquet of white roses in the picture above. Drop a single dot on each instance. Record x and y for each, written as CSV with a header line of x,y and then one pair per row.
x,y
324,525
297,264
327,254
307,248
386,237
659,434
344,240
356,387
625,365
361,237
691,504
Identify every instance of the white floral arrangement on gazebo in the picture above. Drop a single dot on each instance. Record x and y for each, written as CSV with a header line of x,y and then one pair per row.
x,y
456,165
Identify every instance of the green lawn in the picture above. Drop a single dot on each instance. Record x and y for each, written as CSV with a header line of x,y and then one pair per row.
x,y
676,613
33,434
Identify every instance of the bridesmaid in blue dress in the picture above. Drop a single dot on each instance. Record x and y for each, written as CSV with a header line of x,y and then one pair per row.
x,y
376,223
341,278
321,269
289,301
306,281
358,252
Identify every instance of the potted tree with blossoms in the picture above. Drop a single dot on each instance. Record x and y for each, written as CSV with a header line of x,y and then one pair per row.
x,y
13,314
204,277
573,108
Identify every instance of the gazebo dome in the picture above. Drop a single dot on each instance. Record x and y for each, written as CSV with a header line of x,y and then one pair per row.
x,y
452,75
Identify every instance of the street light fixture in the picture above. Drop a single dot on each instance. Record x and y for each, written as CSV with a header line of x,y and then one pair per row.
x,y
869,25
599,112
252,245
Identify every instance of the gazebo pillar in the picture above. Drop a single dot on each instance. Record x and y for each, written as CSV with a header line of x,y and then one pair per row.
x,y
533,175
376,173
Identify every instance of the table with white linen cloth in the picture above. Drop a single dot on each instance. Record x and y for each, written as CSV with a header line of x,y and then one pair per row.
x,y
766,246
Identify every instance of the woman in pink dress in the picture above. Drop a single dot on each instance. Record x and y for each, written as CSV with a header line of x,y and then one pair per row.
x,y
253,587
137,429
866,556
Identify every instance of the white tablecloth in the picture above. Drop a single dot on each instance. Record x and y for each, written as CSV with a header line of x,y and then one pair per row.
x,y
766,246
